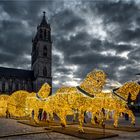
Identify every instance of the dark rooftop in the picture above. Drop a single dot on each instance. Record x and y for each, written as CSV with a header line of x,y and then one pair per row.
x,y
17,73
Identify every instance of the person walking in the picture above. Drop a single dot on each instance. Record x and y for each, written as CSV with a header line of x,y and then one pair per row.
x,y
44,116
33,113
40,114
7,114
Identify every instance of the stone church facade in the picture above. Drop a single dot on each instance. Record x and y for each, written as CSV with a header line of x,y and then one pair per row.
x,y
12,79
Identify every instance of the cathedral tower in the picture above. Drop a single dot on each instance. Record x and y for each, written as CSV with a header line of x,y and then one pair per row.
x,y
42,55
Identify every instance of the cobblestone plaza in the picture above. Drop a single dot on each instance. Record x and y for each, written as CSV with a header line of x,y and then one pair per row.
x,y
12,127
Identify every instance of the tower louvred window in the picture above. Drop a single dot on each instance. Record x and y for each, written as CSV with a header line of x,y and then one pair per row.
x,y
45,51
45,71
45,35
40,34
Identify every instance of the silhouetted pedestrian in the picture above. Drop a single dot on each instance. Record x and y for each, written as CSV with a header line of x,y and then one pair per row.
x,y
33,113
44,116
126,117
40,114
85,117
7,114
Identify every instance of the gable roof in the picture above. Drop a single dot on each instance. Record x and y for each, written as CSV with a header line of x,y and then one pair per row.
x,y
17,73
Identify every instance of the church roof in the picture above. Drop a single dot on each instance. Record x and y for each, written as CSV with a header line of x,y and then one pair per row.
x,y
17,73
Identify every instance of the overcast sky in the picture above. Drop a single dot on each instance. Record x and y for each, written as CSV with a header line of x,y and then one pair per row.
x,y
86,35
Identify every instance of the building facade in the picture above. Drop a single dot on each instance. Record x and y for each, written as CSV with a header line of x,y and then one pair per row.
x,y
41,62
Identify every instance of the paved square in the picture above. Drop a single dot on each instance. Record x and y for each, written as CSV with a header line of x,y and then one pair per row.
x,y
10,126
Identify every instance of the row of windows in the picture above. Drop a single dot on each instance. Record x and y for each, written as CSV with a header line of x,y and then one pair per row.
x,y
15,86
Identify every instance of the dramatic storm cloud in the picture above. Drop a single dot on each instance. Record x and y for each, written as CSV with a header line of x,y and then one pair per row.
x,y
86,35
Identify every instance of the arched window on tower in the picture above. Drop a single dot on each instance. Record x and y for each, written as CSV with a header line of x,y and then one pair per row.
x,y
49,36
45,51
17,86
45,34
40,34
10,85
44,71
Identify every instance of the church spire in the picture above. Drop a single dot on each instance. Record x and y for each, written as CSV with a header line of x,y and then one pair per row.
x,y
43,31
44,22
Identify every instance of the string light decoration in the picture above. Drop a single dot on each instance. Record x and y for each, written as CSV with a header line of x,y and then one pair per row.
x,y
129,88
112,103
3,104
87,97
94,82
36,101
16,103
44,91
68,99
